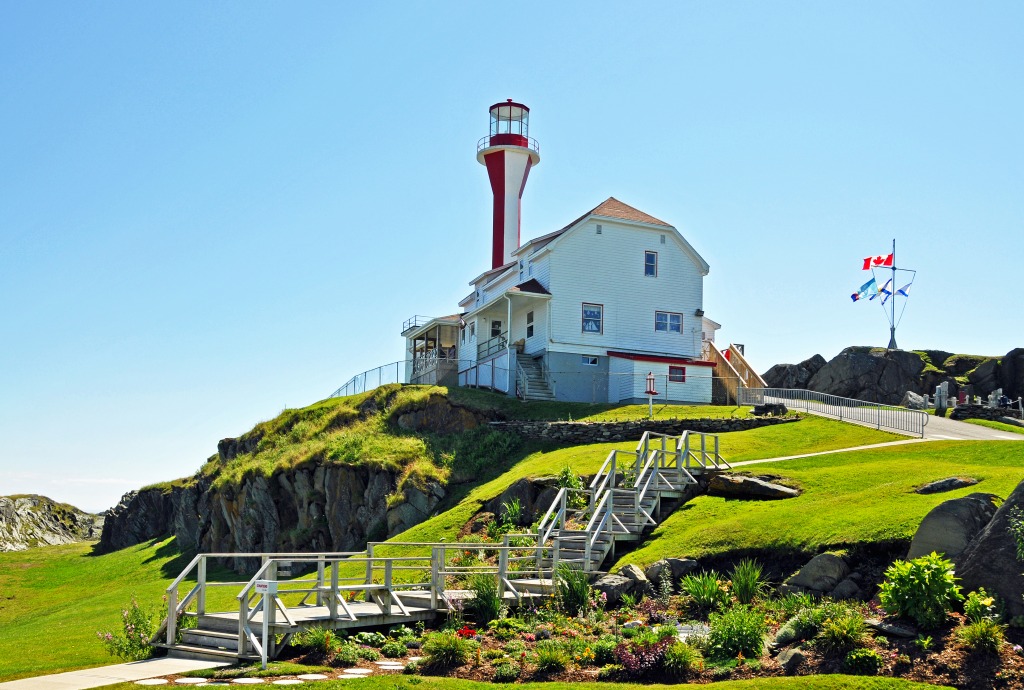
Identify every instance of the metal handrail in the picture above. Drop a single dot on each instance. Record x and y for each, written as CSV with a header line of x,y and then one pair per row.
x,y
888,417
492,345
485,143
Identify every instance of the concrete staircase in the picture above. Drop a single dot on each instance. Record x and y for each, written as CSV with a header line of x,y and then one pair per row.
x,y
536,387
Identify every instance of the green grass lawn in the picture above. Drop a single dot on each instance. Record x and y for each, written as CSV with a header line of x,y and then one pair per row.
x,y
809,435
53,600
399,682
1001,426
851,498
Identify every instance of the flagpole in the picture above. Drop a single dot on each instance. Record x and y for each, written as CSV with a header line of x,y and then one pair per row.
x,y
892,320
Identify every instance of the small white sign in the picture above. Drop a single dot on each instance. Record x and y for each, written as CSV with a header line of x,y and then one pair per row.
x,y
266,587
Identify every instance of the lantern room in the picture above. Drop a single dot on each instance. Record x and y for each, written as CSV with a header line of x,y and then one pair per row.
x,y
510,124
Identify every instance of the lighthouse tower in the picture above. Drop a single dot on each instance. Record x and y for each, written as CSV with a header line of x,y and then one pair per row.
x,y
508,153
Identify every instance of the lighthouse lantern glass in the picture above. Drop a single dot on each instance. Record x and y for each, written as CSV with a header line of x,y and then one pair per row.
x,y
508,118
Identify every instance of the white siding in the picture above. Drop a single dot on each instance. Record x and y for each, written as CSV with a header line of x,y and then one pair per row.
x,y
520,307
620,377
541,270
608,269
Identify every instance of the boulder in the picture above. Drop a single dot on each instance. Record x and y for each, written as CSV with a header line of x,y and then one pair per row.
x,y
613,587
440,416
948,484
870,374
821,574
633,573
534,495
990,560
737,486
675,568
791,659
890,629
913,401
793,375
950,526
847,589
985,378
1011,373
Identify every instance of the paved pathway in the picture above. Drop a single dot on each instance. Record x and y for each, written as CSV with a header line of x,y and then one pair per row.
x,y
942,429
108,675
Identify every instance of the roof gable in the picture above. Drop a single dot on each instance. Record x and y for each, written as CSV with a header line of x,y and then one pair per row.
x,y
613,208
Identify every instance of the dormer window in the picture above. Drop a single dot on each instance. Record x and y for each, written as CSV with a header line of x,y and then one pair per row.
x,y
651,264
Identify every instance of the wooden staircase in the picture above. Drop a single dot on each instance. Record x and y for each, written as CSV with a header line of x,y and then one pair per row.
x,y
628,496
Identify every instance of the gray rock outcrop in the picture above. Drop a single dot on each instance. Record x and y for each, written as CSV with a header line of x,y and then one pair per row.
x,y
950,526
820,575
990,560
948,484
1011,373
28,521
794,375
749,488
873,375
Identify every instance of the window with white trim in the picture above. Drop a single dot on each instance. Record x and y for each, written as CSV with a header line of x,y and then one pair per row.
x,y
495,329
593,318
472,330
651,264
588,361
668,322
529,324
677,374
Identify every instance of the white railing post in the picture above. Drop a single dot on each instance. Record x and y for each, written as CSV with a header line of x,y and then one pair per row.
x,y
332,598
502,568
436,581
172,615
369,569
201,581
320,580
386,603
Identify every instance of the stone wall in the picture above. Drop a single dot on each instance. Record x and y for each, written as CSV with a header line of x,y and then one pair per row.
x,y
994,414
577,433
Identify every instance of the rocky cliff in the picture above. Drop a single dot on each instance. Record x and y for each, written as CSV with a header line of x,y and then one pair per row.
x,y
346,487
885,376
27,521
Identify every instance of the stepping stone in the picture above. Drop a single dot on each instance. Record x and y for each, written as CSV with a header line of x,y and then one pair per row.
x,y
288,681
190,681
152,681
248,681
358,671
393,667
415,658
312,676
215,684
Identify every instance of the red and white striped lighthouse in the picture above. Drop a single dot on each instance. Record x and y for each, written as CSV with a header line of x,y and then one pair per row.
x,y
509,153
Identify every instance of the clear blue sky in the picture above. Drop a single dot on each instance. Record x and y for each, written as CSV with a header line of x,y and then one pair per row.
x,y
212,211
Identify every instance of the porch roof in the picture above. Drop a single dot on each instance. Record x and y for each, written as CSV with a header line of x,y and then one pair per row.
x,y
531,288
450,320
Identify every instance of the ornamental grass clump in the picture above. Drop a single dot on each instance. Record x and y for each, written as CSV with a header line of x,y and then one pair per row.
x,y
552,656
747,582
841,634
572,590
681,660
984,636
739,630
923,590
446,650
486,604
707,593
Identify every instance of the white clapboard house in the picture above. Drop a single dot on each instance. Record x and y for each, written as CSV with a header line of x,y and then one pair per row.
x,y
584,313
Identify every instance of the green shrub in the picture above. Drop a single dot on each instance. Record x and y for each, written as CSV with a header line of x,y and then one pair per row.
x,y
552,656
572,589
445,650
131,643
370,639
985,636
863,662
505,629
841,633
980,605
604,650
347,654
515,647
411,668
681,660
923,590
507,672
367,653
923,642
705,591
394,649
317,640
737,630
402,632
746,580
611,672
486,603
575,498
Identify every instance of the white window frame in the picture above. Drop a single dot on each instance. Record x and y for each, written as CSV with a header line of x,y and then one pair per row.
x,y
668,322
648,253
529,324
682,374
599,319
588,361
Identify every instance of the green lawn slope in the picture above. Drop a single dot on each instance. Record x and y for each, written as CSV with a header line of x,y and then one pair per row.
x,y
856,498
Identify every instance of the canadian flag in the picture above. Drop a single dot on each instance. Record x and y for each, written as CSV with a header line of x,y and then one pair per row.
x,y
876,261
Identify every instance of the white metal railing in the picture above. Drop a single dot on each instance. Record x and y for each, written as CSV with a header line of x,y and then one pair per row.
x,y
372,378
522,382
900,420
485,142
492,346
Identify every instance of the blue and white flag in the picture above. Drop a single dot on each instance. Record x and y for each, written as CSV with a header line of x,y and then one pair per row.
x,y
905,290
868,289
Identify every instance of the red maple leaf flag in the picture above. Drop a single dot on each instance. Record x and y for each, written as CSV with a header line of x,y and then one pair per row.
x,y
876,261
